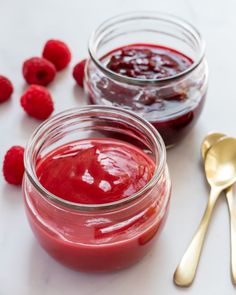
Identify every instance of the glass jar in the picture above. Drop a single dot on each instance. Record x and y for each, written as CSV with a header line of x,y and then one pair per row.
x,y
96,237
172,104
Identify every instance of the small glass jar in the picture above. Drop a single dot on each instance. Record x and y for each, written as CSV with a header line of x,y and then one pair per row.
x,y
96,237
172,104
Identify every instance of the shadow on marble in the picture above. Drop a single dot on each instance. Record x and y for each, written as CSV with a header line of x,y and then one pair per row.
x,y
79,95
12,195
6,106
192,140
23,88
27,125
60,77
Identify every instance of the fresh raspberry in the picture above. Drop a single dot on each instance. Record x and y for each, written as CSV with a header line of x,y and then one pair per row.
x,y
13,165
78,72
6,89
40,71
37,102
58,53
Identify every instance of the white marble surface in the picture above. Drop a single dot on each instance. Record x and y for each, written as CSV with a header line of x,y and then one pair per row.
x,y
25,269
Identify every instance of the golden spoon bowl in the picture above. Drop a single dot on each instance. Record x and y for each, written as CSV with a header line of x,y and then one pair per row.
x,y
220,163
209,141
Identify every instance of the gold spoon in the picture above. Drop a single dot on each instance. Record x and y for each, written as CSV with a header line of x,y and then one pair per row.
x,y
208,142
220,169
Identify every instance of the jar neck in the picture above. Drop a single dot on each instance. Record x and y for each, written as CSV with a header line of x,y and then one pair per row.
x,y
149,28
79,123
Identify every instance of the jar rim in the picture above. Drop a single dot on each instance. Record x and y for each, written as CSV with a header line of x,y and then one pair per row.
x,y
139,15
31,173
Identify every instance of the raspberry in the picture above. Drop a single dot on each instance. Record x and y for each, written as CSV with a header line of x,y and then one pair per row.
x,y
13,165
40,71
37,102
58,53
6,89
78,72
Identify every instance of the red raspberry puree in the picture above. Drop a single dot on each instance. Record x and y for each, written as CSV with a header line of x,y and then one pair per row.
x,y
97,171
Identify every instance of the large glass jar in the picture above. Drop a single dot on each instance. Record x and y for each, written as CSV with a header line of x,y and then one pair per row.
x,y
172,104
96,237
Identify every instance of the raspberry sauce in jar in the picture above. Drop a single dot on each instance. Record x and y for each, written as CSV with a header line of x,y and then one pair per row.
x,y
95,171
152,64
146,61
96,203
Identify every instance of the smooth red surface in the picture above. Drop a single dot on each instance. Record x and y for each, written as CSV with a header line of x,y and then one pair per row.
x,y
95,171
101,240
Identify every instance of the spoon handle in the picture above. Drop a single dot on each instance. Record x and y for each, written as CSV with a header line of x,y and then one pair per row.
x,y
232,213
186,270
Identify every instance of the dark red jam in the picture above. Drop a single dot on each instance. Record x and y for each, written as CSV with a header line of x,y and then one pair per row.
x,y
172,106
146,61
